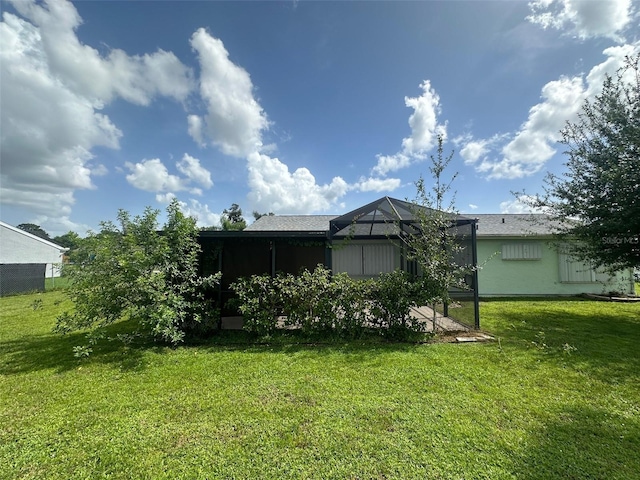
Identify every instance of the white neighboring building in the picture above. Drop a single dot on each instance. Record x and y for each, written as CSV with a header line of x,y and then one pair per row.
x,y
18,246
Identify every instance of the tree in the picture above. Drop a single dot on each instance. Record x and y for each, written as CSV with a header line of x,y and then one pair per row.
x,y
132,271
257,215
435,242
34,229
597,200
232,218
69,240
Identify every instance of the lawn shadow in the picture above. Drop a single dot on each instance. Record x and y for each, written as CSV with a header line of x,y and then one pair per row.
x,y
32,353
604,346
579,443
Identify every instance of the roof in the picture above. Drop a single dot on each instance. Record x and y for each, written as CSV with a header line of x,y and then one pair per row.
x,y
514,224
32,236
291,223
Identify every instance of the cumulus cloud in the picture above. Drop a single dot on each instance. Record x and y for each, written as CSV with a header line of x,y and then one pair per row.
x,y
53,88
234,120
135,78
275,188
191,168
583,18
377,184
48,130
526,151
424,132
153,176
193,208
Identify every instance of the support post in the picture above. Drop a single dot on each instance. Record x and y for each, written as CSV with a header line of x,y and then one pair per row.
x,y
474,259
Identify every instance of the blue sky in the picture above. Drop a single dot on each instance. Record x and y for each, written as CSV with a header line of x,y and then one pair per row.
x,y
290,107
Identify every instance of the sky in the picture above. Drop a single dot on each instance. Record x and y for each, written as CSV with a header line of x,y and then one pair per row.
x,y
295,107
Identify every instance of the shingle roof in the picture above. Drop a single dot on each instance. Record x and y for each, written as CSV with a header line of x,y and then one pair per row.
x,y
513,224
493,224
291,223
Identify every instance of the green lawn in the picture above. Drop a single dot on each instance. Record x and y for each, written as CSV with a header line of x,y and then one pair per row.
x,y
557,397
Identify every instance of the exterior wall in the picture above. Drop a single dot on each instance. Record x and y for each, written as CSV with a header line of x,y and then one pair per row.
x,y
534,277
16,247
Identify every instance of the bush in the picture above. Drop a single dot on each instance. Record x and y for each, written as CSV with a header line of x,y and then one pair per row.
x,y
319,303
132,271
258,301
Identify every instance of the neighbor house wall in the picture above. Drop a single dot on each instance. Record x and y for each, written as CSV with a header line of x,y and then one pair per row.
x,y
539,276
19,247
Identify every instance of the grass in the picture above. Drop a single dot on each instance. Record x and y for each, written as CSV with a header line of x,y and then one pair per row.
x,y
557,397
57,283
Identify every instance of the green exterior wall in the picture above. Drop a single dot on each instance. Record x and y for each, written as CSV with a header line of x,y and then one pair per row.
x,y
533,277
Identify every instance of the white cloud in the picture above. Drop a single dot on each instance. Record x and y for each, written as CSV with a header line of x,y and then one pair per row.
x,y
136,78
274,188
234,120
424,132
521,204
526,151
55,226
191,168
583,18
200,211
377,184
48,130
153,176
423,121
52,90
473,206
194,128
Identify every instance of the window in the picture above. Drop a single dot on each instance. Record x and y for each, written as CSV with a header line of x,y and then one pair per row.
x,y
522,251
369,259
575,271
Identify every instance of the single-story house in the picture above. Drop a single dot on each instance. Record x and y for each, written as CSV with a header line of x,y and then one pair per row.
x,y
514,252
517,257
26,260
363,243
19,247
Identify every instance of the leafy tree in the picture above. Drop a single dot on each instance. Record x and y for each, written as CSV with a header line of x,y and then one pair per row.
x,y
34,230
257,215
69,240
73,242
232,218
434,244
131,270
597,200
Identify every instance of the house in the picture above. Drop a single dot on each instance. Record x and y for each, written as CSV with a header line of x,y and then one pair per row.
x,y
517,257
363,243
26,259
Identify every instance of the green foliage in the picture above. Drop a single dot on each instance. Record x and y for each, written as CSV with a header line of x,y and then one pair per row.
x,y
34,229
392,297
232,219
133,271
596,200
258,302
435,244
317,302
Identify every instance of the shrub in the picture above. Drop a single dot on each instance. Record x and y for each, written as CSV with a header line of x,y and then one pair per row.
x,y
317,302
258,301
133,271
